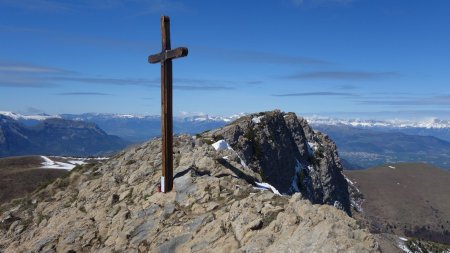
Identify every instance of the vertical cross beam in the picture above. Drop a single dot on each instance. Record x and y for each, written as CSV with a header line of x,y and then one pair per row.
x,y
165,58
166,110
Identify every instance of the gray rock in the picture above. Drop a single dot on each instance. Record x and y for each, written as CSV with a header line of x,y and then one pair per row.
x,y
141,232
278,148
172,244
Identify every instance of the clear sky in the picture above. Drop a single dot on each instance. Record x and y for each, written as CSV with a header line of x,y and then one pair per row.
x,y
343,58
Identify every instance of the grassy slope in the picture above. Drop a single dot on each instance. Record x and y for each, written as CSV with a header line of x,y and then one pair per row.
x,y
412,199
22,175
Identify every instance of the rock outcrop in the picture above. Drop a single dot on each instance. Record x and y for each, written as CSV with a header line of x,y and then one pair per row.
x,y
289,155
214,207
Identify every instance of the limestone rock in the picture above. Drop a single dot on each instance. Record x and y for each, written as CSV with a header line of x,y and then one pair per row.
x,y
289,155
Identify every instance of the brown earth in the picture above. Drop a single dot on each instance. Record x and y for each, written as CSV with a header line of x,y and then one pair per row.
x,y
22,175
408,199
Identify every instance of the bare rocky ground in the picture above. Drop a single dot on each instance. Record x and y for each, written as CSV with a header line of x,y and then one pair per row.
x,y
214,207
408,200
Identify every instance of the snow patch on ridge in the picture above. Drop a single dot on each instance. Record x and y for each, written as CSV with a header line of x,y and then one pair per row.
x,y
66,163
356,203
221,145
401,244
267,186
257,120
50,164
312,146
403,239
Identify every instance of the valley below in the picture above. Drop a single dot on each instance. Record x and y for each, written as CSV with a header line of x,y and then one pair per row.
x,y
407,199
22,175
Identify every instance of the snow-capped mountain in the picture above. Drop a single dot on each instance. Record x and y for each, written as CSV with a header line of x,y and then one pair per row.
x,y
89,116
17,116
315,120
135,127
182,118
395,123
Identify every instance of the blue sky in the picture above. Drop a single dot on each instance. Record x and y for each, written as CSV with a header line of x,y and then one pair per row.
x,y
342,58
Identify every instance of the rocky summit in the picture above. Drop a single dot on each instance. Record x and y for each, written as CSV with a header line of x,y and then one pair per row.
x,y
264,183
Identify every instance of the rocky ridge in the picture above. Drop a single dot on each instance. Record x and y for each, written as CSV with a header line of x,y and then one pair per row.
x,y
289,155
214,207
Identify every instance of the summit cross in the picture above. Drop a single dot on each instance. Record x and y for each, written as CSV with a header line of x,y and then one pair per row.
x,y
165,58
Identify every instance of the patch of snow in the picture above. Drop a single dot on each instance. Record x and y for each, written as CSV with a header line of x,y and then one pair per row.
x,y
257,120
225,157
403,239
312,146
47,161
242,162
338,205
100,158
77,162
356,205
348,180
392,167
69,165
353,201
221,145
403,247
267,186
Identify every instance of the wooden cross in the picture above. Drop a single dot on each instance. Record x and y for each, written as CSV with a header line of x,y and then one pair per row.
x,y
165,57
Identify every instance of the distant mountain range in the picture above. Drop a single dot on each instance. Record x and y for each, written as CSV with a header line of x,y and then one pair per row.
x,y
138,128
429,127
133,128
361,143
55,136
363,147
427,123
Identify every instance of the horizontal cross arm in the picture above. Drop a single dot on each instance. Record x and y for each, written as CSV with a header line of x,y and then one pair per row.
x,y
168,55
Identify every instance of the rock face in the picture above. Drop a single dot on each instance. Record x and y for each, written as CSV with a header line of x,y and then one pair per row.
x,y
214,207
289,155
